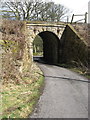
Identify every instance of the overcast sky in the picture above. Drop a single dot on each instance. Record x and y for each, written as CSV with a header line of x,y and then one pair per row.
x,y
77,6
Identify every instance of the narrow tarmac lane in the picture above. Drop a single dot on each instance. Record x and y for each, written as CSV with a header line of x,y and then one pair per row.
x,y
62,98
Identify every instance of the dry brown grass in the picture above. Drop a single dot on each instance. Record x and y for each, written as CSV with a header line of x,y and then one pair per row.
x,y
18,101
21,87
13,45
84,31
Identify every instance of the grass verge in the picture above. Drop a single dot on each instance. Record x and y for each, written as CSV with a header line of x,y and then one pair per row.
x,y
79,70
19,100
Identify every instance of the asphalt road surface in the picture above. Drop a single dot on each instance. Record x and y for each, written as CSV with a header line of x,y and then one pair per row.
x,y
62,98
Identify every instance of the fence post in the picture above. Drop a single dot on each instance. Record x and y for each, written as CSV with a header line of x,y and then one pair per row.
x,y
72,18
86,17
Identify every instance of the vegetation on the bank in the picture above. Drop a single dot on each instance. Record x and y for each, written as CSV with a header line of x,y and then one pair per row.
x,y
13,45
21,84
82,70
19,100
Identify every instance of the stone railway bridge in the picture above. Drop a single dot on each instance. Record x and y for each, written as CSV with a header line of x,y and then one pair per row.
x,y
61,42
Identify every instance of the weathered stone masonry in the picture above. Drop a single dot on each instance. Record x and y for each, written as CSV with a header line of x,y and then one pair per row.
x,y
50,34
62,43
74,47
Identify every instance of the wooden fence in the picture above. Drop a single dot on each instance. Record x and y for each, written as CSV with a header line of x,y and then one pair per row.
x,y
79,15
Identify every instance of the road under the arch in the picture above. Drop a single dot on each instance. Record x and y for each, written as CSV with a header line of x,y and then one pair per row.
x,y
62,98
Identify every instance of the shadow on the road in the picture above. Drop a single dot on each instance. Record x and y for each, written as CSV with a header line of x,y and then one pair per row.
x,y
40,59
65,78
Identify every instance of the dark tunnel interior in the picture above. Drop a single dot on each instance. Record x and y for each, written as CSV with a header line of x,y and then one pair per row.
x,y
50,47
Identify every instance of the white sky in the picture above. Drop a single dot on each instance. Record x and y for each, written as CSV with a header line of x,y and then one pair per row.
x,y
76,6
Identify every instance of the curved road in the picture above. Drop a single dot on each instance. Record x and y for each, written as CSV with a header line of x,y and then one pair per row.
x,y
62,98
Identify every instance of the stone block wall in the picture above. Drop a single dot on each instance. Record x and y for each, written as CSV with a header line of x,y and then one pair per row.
x,y
73,47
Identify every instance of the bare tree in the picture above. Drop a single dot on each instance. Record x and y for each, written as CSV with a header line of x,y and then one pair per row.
x,y
36,10
24,10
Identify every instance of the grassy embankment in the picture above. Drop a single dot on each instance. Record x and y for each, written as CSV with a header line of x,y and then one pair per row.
x,y
21,84
18,101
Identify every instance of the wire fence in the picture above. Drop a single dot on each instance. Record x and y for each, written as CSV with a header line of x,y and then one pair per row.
x,y
8,14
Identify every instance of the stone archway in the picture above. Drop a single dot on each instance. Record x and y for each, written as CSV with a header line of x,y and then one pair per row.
x,y
51,34
51,45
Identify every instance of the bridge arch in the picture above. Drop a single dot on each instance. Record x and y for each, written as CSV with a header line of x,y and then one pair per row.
x,y
58,38
51,44
51,34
